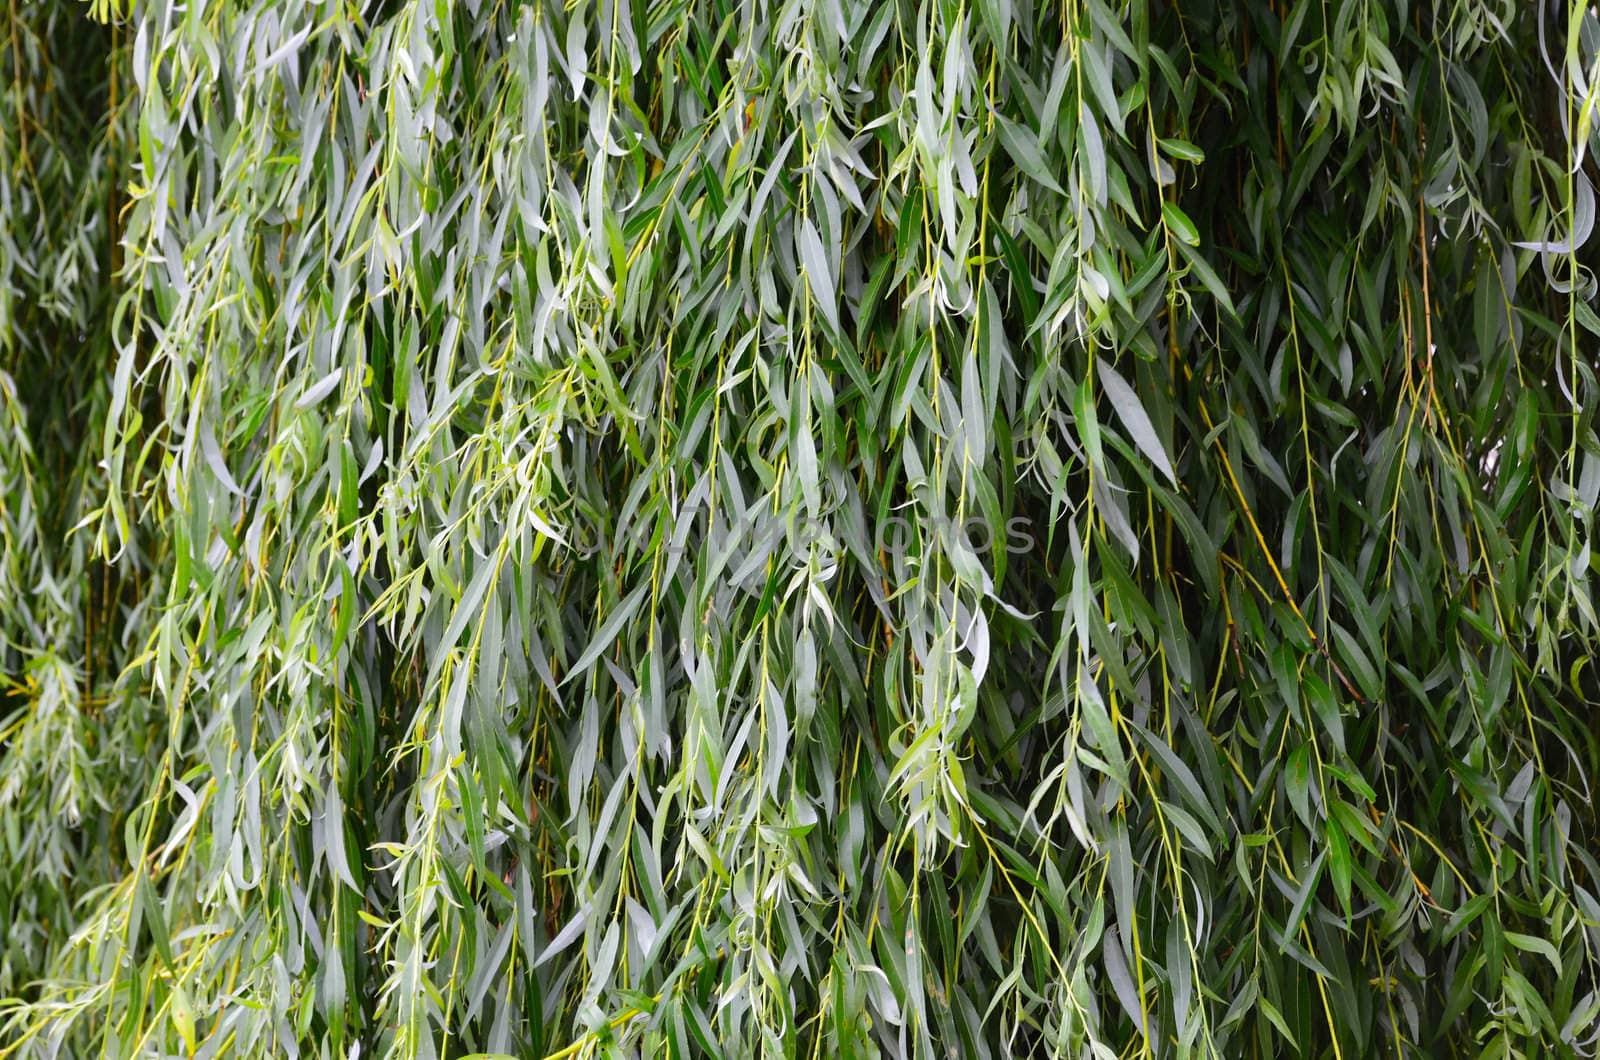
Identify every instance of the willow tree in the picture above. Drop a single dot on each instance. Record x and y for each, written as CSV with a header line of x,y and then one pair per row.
x,y
744,528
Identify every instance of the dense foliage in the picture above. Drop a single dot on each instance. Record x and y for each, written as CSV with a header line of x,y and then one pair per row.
x,y
798,527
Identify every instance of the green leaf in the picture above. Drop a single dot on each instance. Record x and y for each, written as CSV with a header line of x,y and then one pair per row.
x,y
1126,404
1182,150
1179,224
819,275
1025,151
1340,865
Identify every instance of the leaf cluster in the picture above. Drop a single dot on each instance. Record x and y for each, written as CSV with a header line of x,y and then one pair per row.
x,y
448,457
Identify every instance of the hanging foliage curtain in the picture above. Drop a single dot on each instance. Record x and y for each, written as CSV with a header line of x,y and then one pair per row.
x,y
772,527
